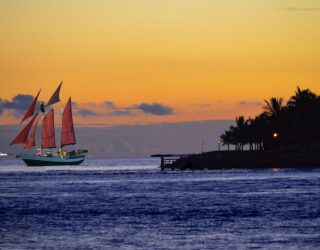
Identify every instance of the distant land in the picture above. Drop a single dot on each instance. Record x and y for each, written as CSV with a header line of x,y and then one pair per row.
x,y
136,140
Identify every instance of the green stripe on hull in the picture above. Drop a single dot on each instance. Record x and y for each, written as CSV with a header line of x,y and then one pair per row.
x,y
51,161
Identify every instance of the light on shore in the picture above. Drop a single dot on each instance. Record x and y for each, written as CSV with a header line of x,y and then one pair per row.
x,y
219,144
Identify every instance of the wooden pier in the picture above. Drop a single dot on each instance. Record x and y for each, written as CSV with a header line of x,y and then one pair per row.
x,y
167,160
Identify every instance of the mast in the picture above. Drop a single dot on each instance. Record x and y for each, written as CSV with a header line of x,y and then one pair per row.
x,y
23,135
31,142
48,135
31,108
67,131
55,97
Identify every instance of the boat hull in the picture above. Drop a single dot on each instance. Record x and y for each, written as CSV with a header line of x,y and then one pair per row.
x,y
34,160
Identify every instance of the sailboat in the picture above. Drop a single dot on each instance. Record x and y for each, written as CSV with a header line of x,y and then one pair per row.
x,y
45,157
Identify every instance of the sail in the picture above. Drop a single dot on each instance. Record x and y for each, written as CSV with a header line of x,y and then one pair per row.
x,y
31,142
48,136
31,108
67,132
23,135
55,97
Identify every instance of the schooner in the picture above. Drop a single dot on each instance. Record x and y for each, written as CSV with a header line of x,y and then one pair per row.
x,y
45,157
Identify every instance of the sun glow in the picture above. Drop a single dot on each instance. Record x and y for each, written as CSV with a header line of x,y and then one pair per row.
x,y
204,59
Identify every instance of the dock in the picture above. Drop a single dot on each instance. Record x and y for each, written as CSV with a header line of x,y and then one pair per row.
x,y
240,160
167,160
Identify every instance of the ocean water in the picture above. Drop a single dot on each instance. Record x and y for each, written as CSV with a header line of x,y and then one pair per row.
x,y
131,204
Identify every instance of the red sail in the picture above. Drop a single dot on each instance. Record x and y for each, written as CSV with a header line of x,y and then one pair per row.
x,y
48,136
31,142
31,108
23,135
55,97
67,132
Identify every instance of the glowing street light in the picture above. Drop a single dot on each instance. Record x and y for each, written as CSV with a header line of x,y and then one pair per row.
x,y
219,143
275,135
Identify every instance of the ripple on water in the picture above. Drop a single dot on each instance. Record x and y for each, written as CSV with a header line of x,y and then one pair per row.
x,y
132,205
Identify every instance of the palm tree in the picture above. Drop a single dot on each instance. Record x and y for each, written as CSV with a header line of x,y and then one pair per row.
x,y
261,125
297,122
304,108
302,98
241,126
273,107
226,138
233,132
252,133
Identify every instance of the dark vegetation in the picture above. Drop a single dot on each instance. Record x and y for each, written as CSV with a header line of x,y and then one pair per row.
x,y
280,125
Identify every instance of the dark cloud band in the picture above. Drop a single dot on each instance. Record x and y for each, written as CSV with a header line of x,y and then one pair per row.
x,y
18,105
245,103
155,109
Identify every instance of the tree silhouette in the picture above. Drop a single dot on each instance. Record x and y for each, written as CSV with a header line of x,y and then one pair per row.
x,y
226,138
302,98
296,123
274,107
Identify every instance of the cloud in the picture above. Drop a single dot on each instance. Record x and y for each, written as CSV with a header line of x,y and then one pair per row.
x,y
86,112
121,113
155,109
109,105
1,106
74,105
147,108
299,9
117,113
245,103
18,105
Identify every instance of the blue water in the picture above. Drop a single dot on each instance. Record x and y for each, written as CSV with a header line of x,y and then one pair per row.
x,y
131,204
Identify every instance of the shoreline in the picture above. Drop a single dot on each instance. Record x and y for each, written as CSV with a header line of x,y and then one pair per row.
x,y
242,160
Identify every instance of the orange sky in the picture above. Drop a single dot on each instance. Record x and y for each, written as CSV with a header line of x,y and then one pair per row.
x,y
201,57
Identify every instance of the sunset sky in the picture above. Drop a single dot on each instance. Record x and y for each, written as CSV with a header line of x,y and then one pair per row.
x,y
147,61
